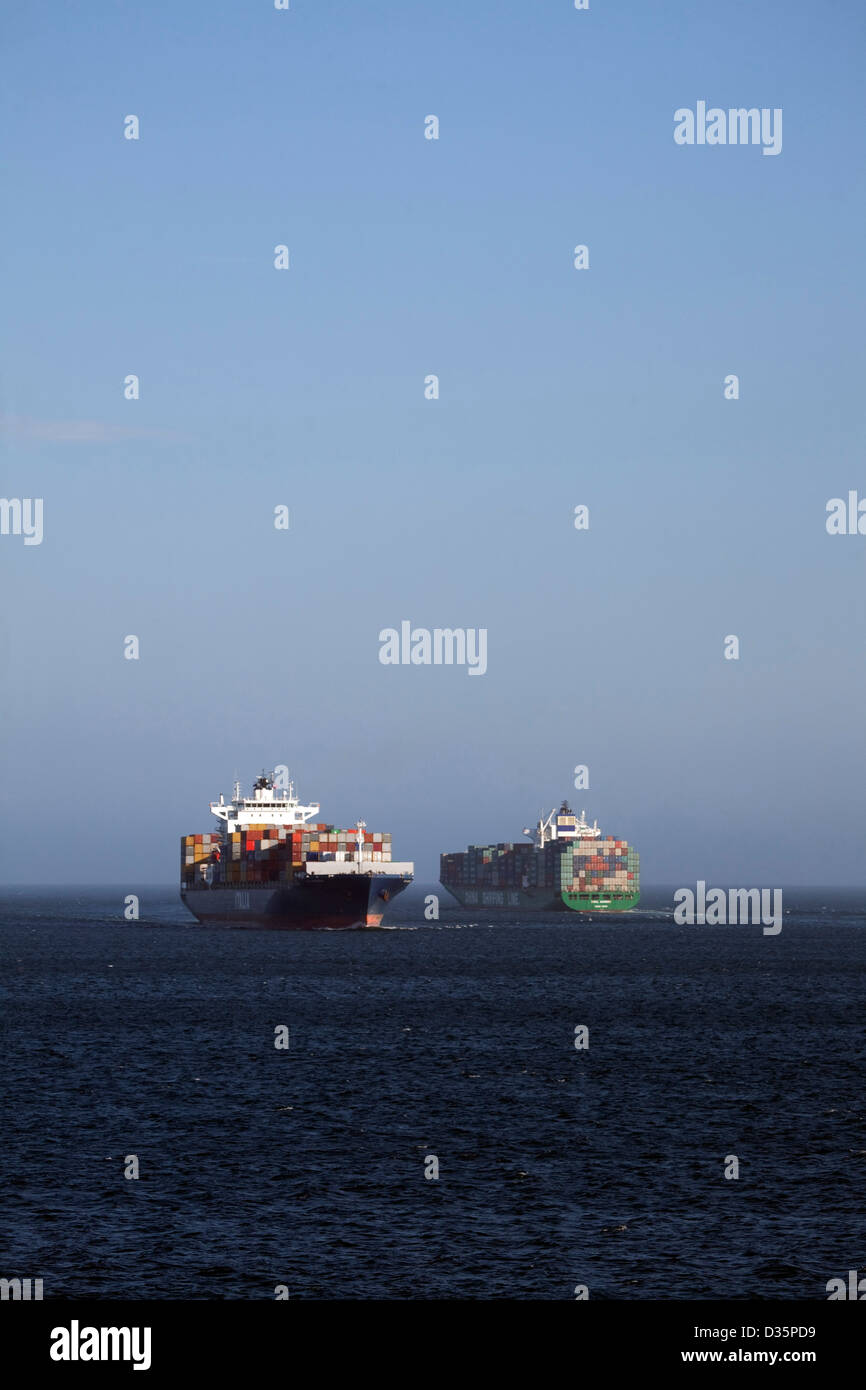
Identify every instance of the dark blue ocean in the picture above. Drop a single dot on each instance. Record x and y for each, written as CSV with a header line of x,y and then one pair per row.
x,y
306,1167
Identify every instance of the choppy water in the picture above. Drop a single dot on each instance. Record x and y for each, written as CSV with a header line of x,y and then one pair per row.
x,y
305,1167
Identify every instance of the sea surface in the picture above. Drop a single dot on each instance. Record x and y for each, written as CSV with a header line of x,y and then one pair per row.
x,y
453,1039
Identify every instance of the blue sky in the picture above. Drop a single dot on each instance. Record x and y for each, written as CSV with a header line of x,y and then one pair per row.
x,y
558,387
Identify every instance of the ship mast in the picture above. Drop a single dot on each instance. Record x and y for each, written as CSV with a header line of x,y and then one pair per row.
x,y
544,829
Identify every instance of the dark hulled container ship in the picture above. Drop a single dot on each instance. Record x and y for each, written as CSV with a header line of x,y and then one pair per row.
x,y
269,865
571,866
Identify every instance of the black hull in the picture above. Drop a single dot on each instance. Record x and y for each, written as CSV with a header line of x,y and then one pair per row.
x,y
542,901
336,903
506,899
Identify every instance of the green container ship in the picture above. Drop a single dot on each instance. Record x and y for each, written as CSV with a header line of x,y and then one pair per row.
x,y
570,866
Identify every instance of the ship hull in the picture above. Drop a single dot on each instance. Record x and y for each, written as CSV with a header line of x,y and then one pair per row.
x,y
599,902
542,900
339,903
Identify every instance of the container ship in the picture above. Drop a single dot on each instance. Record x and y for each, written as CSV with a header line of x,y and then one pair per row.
x,y
571,865
268,865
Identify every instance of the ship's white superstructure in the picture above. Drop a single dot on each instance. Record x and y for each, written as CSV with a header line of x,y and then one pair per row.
x,y
563,825
268,805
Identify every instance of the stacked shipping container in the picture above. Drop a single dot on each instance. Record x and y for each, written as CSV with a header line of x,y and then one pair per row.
x,y
581,866
604,865
271,854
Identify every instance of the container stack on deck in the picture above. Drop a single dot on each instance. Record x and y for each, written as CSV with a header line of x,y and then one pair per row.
x,y
271,854
195,850
575,866
607,866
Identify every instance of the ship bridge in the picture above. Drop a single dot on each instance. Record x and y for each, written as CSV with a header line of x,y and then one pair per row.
x,y
563,825
268,805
